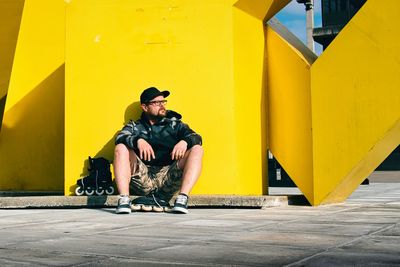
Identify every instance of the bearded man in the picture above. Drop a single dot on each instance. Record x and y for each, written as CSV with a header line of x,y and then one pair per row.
x,y
156,157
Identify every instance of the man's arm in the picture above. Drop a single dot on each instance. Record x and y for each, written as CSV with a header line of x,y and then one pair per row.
x,y
132,137
129,135
188,138
188,135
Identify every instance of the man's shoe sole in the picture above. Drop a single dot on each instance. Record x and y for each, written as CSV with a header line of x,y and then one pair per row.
x,y
179,210
123,211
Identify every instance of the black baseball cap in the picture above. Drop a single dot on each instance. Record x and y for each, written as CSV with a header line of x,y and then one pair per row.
x,y
151,93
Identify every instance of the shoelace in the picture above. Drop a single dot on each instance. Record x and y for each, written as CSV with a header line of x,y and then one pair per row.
x,y
181,199
155,200
124,200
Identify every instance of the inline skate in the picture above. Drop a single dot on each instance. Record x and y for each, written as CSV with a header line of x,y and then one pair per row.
x,y
98,181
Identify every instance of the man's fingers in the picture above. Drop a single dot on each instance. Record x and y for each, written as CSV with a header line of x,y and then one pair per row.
x,y
180,154
173,153
144,155
148,154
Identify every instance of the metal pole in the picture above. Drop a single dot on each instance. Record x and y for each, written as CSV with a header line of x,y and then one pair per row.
x,y
309,4
310,24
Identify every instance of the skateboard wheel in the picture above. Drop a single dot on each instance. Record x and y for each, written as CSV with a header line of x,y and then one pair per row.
x,y
147,208
136,207
158,209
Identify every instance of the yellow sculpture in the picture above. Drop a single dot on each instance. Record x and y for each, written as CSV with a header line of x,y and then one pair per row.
x,y
240,84
338,118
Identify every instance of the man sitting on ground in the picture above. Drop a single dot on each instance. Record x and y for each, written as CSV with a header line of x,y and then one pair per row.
x,y
156,157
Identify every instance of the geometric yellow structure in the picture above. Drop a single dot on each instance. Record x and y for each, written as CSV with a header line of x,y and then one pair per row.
x,y
362,101
339,124
10,18
289,108
73,71
115,50
32,132
209,54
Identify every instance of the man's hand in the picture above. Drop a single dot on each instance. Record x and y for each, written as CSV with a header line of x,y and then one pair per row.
x,y
179,150
145,150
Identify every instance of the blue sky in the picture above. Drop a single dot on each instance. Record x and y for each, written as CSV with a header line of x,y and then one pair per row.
x,y
293,16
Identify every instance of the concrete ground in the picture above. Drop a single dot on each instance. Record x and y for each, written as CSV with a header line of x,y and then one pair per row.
x,y
385,177
363,231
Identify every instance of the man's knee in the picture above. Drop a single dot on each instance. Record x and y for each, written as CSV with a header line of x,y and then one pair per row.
x,y
194,153
123,150
197,150
120,151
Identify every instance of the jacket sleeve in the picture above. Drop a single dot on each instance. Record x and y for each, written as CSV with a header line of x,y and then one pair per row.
x,y
129,135
187,134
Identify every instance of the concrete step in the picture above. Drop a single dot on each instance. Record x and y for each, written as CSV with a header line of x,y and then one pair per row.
x,y
51,201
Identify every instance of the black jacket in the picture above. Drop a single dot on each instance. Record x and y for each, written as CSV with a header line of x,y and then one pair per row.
x,y
162,136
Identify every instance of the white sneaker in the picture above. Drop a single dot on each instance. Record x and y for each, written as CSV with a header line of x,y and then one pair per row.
x,y
181,204
124,205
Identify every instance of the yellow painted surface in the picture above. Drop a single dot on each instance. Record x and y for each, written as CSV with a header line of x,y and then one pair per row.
x,y
332,130
32,134
289,111
115,49
356,101
10,17
329,127
249,104
261,9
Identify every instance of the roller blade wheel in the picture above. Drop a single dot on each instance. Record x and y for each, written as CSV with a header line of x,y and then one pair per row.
x,y
99,192
89,191
79,191
110,190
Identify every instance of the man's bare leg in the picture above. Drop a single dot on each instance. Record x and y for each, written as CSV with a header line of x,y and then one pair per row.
x,y
125,163
191,165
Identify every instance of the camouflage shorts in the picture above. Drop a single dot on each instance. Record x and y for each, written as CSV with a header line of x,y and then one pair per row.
x,y
166,180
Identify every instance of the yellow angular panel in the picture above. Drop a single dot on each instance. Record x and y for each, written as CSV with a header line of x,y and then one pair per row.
x,y
289,109
208,53
356,101
32,134
261,9
249,98
10,18
332,130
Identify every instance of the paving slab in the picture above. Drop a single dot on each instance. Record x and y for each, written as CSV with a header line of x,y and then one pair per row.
x,y
355,233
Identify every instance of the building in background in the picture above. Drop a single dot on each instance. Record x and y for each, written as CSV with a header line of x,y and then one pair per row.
x,y
335,15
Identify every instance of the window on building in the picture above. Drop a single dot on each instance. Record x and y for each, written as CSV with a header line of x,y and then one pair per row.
x,y
332,6
343,5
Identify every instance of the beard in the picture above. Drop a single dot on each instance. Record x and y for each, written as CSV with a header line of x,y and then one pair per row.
x,y
160,115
